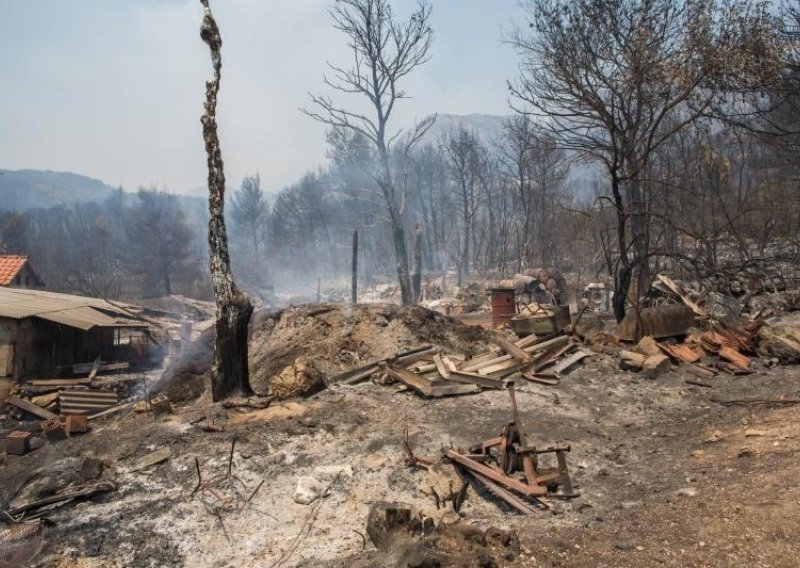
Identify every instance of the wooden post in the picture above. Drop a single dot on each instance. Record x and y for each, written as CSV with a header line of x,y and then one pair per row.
x,y
354,292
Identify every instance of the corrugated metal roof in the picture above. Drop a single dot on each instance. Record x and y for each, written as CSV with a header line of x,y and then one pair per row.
x,y
75,311
10,265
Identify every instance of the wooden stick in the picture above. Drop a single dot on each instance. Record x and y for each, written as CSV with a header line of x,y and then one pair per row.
x,y
86,491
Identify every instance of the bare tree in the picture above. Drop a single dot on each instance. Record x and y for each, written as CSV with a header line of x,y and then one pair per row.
x,y
229,370
615,79
249,212
385,51
465,156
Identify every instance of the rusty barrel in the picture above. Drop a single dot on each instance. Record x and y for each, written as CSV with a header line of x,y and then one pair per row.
x,y
503,306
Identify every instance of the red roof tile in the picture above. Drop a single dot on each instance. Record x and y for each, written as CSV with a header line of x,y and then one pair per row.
x,y
10,265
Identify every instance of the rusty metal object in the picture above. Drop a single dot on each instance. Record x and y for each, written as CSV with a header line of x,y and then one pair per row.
x,y
657,322
504,307
512,455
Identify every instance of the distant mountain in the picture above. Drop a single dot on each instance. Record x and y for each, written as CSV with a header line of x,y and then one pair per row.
x,y
29,189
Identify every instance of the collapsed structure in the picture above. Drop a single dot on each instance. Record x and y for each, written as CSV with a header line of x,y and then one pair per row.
x,y
44,334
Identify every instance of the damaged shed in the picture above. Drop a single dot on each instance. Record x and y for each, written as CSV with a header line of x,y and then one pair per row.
x,y
45,334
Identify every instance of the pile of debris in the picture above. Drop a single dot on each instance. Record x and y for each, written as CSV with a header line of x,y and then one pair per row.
x,y
63,407
702,339
299,344
431,373
506,466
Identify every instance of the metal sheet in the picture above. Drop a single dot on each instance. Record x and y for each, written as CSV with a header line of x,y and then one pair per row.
x,y
75,311
86,401
657,322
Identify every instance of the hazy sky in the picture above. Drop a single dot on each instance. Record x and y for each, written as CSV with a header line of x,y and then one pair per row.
x,y
113,89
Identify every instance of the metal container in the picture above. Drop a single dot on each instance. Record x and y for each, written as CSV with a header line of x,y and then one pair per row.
x,y
504,306
544,324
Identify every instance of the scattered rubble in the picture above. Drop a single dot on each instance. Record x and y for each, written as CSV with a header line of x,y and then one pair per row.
x,y
254,481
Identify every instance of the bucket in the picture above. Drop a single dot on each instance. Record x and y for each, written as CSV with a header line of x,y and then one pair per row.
x,y
503,306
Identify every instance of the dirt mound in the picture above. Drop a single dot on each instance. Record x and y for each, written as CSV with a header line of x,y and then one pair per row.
x,y
331,338
337,338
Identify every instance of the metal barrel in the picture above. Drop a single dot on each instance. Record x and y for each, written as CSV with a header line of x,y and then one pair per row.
x,y
503,306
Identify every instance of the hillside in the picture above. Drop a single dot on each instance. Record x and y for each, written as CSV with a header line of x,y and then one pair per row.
x,y
488,127
27,189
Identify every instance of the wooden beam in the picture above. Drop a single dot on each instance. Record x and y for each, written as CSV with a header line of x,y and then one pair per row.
x,y
440,366
511,483
513,350
475,379
30,407
566,364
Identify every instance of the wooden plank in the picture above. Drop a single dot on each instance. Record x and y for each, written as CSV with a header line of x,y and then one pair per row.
x,y
475,379
504,494
551,355
545,345
566,364
422,386
502,366
672,285
486,359
30,407
85,491
87,367
513,350
440,366
453,389
151,459
108,411
418,367
361,375
549,380
477,365
494,475
57,382
449,365
506,373
699,372
532,340
45,400
471,368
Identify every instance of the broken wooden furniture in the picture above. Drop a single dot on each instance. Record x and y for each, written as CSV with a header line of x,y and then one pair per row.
x,y
497,462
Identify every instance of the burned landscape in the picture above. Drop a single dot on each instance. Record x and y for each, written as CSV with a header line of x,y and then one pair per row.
x,y
568,335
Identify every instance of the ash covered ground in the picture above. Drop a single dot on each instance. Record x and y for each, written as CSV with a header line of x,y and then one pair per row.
x,y
666,476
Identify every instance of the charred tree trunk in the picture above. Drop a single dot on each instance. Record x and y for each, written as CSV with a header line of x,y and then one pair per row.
x,y
354,290
623,269
401,256
229,371
416,251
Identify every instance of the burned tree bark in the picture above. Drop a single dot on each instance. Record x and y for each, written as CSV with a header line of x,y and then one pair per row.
x,y
354,288
229,371
416,250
